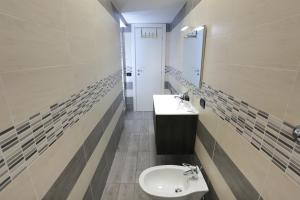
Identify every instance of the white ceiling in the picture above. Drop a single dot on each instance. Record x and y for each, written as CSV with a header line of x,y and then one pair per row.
x,y
149,11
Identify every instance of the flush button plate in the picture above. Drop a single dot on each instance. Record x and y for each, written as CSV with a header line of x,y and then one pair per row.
x,y
202,103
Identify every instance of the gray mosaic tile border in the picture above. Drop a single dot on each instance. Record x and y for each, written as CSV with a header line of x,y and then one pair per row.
x,y
64,184
21,144
268,134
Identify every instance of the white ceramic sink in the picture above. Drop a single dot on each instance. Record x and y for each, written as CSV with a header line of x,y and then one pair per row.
x,y
169,182
172,105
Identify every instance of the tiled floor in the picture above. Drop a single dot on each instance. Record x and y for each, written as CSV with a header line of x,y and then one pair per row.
x,y
136,152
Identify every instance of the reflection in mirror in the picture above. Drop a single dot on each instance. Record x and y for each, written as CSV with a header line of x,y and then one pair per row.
x,y
193,55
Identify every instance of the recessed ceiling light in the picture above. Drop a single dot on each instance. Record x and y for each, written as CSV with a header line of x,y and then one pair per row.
x,y
184,28
122,24
199,28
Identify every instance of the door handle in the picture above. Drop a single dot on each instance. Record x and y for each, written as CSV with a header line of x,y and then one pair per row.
x,y
139,71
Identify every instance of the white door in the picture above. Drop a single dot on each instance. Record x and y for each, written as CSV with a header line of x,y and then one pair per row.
x,y
148,65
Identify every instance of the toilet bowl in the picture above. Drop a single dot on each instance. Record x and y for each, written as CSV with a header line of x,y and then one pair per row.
x,y
170,182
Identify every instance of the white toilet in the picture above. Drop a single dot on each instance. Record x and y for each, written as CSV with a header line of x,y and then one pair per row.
x,y
173,182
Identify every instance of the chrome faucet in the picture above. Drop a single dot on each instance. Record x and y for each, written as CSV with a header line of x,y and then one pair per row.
x,y
194,170
183,96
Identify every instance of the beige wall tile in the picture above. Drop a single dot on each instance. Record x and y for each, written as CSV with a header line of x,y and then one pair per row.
x,y
250,161
209,119
293,110
87,174
252,50
47,168
28,45
21,188
220,186
278,186
5,117
48,51
84,74
79,17
28,92
48,13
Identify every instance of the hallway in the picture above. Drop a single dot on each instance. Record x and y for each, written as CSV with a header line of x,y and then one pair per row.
x,y
136,152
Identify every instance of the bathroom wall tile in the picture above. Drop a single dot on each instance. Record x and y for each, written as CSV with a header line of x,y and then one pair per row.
x,y
278,186
85,74
5,117
92,141
268,135
25,188
88,195
96,159
48,13
27,45
29,92
240,186
208,119
207,140
67,179
263,39
236,147
48,167
292,113
215,177
82,49
293,169
99,181
80,17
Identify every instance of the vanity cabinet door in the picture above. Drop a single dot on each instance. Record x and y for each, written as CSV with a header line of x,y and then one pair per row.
x,y
175,134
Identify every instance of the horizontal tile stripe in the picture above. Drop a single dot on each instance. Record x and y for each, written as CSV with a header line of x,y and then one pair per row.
x,y
238,183
255,125
66,181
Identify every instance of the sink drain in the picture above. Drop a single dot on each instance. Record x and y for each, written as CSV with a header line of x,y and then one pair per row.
x,y
177,190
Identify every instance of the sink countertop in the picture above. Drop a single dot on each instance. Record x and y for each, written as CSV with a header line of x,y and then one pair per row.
x,y
169,105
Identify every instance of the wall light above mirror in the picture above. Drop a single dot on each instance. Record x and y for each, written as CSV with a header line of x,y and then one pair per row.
x,y
193,53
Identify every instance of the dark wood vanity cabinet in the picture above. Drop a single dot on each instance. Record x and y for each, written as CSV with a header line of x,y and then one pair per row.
x,y
175,134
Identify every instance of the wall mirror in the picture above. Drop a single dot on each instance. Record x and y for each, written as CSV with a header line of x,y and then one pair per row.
x,y
193,55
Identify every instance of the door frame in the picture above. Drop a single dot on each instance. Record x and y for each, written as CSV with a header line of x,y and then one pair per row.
x,y
133,60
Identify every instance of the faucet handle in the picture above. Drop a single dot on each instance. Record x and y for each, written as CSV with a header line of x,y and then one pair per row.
x,y
186,165
193,168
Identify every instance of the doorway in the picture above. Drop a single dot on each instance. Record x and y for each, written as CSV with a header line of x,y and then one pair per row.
x,y
148,56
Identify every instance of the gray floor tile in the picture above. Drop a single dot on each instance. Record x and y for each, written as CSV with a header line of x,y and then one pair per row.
x,y
129,168
134,115
139,194
137,152
152,146
148,115
116,171
111,192
135,126
143,161
126,192
129,143
144,143
137,175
